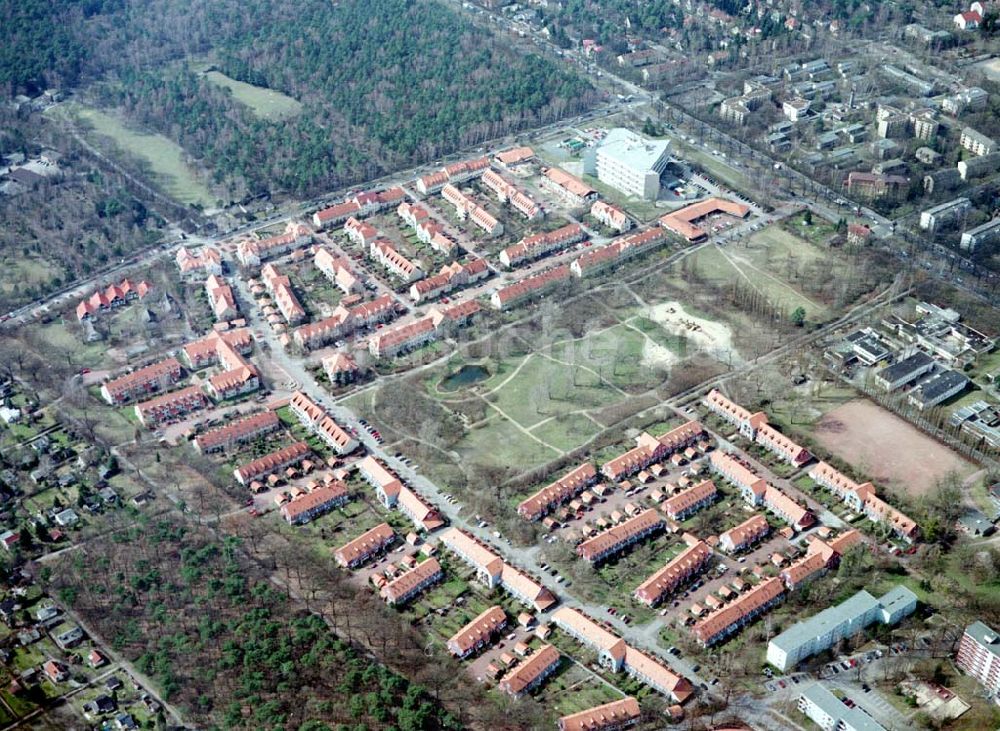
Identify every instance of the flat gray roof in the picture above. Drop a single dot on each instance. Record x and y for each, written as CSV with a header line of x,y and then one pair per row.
x,y
853,718
819,624
985,637
906,366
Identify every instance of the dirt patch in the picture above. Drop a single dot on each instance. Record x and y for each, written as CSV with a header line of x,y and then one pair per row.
x,y
709,335
886,449
656,356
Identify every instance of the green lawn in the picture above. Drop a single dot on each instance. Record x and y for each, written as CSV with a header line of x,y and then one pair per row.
x,y
20,271
566,432
164,157
265,103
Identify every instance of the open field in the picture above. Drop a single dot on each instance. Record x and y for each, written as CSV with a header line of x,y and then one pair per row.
x,y
20,272
164,157
265,103
990,68
768,262
886,449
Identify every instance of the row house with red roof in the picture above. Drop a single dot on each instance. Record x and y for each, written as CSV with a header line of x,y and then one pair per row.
x,y
611,216
314,418
241,431
454,173
745,535
478,633
238,376
570,189
612,716
595,261
221,298
730,619
368,545
530,674
407,586
361,233
756,427
514,158
650,449
619,537
142,382
344,321
280,287
361,205
428,230
535,285
555,494
684,567
382,251
206,260
205,352
112,298
272,463
392,341
538,245
466,208
507,192
392,493
863,498
339,271
252,252
688,502
170,406
451,276
322,499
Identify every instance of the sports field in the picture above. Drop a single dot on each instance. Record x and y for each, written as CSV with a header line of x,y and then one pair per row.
x,y
886,449
166,159
265,103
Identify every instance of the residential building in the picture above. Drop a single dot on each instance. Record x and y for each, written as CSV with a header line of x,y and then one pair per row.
x,y
530,287
408,585
975,167
944,214
570,189
361,205
341,369
360,232
562,490
514,157
685,566
344,321
938,388
170,406
272,463
207,351
939,332
826,628
112,298
507,192
683,222
795,109
650,449
611,216
392,493
728,620
849,491
478,633
977,143
967,20
280,287
858,234
983,234
237,377
925,125
312,504
874,185
628,162
530,674
830,713
947,179
382,251
207,260
904,371
241,431
371,543
612,716
251,252
451,276
622,249
979,656
688,502
339,271
221,298
779,503
457,172
538,245
637,59
142,382
745,534
752,487
392,341
619,537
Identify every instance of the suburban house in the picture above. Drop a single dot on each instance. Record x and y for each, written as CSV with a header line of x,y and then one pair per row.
x,y
142,382
170,406
562,490
207,260
538,245
314,503
112,298
221,298
339,271
650,449
478,633
594,261
272,463
755,427
405,587
619,537
371,543
455,173
241,431
862,498
728,620
685,566
344,321
392,493
284,298
314,417
466,208
745,534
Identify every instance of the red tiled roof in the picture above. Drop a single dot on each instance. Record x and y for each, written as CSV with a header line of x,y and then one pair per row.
x,y
364,545
612,715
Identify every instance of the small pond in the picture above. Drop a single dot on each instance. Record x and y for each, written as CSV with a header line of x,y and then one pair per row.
x,y
464,377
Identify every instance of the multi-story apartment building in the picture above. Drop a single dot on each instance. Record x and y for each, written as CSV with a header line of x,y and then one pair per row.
x,y
979,656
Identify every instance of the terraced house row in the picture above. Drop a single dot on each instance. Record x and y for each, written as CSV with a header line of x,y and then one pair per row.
x,y
271,464
466,208
755,427
596,261
688,502
361,205
312,416
862,498
321,499
555,494
241,431
408,585
607,717
382,251
730,619
344,321
392,341
619,537
428,230
535,285
142,382
251,252
392,493
369,544
688,564
457,172
538,245
744,535
493,572
650,449
507,192
615,654
478,633
450,277
757,491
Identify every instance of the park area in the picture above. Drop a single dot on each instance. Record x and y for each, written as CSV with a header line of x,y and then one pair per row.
x,y
886,449
165,159
265,103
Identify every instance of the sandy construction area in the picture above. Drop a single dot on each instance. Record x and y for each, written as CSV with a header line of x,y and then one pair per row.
x,y
708,335
656,356
886,449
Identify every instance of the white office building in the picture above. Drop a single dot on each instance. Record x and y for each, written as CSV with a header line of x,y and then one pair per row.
x,y
628,162
824,630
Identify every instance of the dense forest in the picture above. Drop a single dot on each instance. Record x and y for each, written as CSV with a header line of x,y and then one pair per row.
x,y
230,649
383,83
